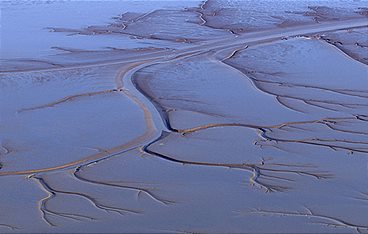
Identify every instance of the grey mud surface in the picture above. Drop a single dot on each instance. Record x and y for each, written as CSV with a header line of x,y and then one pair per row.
x,y
217,116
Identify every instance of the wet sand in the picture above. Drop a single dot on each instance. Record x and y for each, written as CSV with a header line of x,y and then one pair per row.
x,y
218,117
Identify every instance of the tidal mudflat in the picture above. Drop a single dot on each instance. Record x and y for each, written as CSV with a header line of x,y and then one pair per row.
x,y
184,116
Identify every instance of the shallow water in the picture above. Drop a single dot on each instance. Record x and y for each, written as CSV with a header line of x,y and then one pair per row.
x,y
215,116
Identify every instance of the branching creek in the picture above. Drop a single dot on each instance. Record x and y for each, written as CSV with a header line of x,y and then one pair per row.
x,y
267,176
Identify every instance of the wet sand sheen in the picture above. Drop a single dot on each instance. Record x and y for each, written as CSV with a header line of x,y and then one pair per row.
x,y
248,103
146,113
